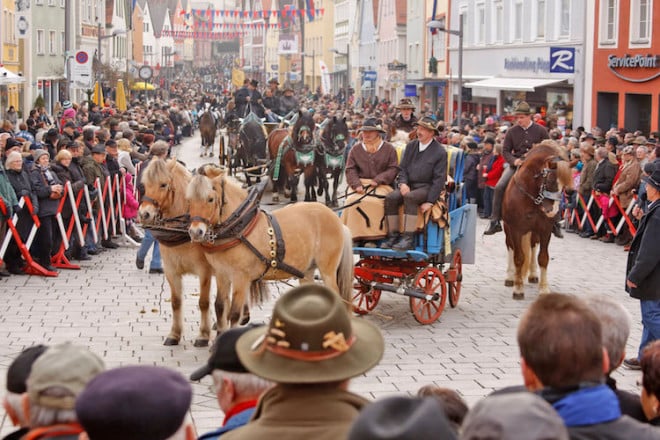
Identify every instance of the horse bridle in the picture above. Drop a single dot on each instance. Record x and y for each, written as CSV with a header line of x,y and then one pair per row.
x,y
156,204
333,140
223,202
543,192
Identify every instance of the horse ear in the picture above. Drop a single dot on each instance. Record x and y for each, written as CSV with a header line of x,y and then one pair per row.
x,y
334,119
300,113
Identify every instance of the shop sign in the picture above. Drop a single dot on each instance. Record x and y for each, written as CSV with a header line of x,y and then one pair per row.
x,y
527,64
410,90
634,64
562,60
369,75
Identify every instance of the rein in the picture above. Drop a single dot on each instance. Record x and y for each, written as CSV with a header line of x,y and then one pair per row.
x,y
370,193
543,193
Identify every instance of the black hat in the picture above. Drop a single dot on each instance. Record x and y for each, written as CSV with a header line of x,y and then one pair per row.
x,y
398,418
472,145
489,140
372,124
224,355
274,81
134,403
52,132
254,83
11,143
98,149
20,368
653,179
70,124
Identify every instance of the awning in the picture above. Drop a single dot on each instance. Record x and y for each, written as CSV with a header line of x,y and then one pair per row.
x,y
8,77
516,84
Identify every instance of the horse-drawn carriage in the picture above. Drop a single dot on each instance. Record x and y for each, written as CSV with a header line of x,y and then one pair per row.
x,y
420,274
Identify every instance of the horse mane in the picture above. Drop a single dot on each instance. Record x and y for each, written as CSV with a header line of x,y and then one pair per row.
x,y
549,149
159,170
305,118
201,185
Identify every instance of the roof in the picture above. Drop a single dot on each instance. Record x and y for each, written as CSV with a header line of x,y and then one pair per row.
x,y
157,9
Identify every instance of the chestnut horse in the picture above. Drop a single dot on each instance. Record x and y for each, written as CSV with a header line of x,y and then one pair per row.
x,y
293,241
207,129
292,154
164,198
530,204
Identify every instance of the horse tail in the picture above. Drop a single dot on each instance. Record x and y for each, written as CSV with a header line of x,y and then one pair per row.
x,y
258,293
345,269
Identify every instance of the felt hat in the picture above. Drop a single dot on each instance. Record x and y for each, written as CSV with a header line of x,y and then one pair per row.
x,y
372,124
224,355
629,149
311,338
513,416
428,122
522,109
402,418
640,140
653,179
67,367
98,149
19,370
134,403
274,81
405,103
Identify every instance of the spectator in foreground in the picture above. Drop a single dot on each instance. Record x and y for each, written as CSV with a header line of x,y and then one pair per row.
x,y
136,403
453,404
311,349
563,360
650,399
236,389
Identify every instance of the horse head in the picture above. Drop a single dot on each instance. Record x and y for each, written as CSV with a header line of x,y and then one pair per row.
x,y
335,135
550,169
303,130
160,180
204,195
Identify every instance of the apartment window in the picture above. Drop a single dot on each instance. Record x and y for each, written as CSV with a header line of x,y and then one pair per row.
x,y
499,23
146,26
565,18
52,43
62,3
640,21
40,41
90,10
51,2
62,43
609,11
481,24
518,22
540,19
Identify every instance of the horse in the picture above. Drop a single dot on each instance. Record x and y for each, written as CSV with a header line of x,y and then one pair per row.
x,y
291,153
165,184
251,150
248,245
529,206
207,129
331,159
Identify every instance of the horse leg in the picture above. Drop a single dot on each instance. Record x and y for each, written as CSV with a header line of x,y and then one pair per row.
x,y
176,290
239,300
221,305
544,258
246,314
510,268
521,259
204,302
211,147
335,184
293,184
310,177
533,276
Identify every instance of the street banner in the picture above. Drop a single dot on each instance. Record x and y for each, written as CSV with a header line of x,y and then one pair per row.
x,y
288,44
325,78
237,77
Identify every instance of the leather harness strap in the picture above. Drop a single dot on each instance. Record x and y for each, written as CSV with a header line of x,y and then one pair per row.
x,y
278,261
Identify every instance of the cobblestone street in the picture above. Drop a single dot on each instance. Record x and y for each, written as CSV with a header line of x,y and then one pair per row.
x,y
123,314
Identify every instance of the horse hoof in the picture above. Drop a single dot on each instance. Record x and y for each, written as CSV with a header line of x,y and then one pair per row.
x,y
533,280
518,296
201,343
171,341
508,283
245,320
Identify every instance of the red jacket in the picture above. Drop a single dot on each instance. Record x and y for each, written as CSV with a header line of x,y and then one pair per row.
x,y
496,170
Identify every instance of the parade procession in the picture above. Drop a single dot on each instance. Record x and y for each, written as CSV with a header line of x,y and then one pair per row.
x,y
330,219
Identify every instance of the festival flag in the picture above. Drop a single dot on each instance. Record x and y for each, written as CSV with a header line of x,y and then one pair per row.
x,y
310,9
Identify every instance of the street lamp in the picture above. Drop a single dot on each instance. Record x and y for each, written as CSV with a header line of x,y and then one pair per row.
x,y
439,26
348,65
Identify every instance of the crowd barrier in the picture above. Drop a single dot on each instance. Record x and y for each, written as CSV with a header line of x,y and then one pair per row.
x,y
577,221
108,220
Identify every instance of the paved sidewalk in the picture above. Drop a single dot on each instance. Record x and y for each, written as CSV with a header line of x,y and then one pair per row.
x,y
123,314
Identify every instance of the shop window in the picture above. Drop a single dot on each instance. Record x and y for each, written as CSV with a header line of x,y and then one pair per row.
x,y
609,22
607,110
640,23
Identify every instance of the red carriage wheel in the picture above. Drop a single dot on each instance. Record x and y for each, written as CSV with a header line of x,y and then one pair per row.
x,y
455,285
365,298
431,281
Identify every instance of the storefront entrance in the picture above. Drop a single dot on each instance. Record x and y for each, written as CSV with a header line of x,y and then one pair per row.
x,y
608,110
638,113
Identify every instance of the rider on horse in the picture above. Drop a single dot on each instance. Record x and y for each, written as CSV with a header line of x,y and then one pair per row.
x,y
518,141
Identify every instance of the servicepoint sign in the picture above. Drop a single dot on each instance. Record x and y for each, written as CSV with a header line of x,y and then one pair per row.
x,y
634,68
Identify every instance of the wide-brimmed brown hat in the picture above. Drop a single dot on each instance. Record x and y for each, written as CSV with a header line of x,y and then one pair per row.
x,y
428,122
311,339
522,109
405,103
640,140
372,124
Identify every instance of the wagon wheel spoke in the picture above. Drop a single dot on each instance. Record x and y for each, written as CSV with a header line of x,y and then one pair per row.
x,y
431,281
455,286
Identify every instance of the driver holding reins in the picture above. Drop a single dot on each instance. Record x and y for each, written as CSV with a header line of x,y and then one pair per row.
x,y
518,141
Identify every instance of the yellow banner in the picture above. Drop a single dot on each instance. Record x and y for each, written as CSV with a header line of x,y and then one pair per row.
x,y
237,77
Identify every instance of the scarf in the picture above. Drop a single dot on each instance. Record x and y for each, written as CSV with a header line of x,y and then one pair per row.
x,y
590,405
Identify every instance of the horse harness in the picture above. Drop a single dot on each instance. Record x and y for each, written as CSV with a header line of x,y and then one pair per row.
x,y
333,160
543,192
241,223
171,231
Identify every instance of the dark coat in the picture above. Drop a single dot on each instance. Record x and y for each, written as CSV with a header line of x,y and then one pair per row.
x,y
643,267
629,402
406,126
47,206
518,141
20,181
426,168
604,176
623,428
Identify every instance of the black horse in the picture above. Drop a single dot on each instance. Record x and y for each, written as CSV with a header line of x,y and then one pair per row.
x,y
331,158
251,150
